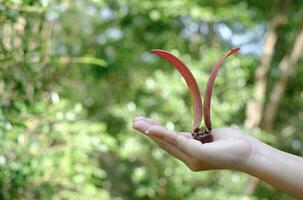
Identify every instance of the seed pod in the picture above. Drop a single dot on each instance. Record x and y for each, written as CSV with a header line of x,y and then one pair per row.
x,y
202,134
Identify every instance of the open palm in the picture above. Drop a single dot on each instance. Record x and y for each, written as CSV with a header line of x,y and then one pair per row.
x,y
230,149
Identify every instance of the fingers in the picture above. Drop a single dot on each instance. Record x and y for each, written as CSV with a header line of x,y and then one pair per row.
x,y
152,128
171,149
141,126
189,145
187,135
159,142
147,120
168,140
164,138
163,133
183,142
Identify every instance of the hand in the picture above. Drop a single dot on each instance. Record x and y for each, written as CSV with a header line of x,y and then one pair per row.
x,y
230,149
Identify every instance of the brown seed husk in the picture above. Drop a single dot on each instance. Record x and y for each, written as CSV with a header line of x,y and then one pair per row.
x,y
202,135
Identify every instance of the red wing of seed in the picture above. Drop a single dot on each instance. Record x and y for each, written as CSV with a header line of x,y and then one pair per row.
x,y
191,83
210,86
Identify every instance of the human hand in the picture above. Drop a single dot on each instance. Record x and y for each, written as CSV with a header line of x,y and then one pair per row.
x,y
231,148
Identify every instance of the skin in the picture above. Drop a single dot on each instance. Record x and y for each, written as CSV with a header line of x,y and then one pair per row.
x,y
231,149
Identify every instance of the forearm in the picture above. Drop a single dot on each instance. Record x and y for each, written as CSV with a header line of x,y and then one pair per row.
x,y
282,170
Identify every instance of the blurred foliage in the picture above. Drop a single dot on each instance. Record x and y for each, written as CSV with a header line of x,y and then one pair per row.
x,y
74,73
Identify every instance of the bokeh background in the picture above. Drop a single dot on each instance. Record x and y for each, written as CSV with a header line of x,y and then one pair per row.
x,y
74,73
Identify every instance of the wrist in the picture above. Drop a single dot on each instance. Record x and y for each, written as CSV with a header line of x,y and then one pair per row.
x,y
260,159
280,169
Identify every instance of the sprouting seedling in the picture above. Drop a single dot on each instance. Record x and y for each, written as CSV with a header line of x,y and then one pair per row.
x,y
202,134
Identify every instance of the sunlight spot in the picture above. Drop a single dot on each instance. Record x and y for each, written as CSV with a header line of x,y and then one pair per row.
x,y
170,126
131,106
55,97
70,116
168,171
150,83
59,115
2,160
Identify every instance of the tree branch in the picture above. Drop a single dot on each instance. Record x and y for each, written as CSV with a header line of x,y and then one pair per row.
x,y
254,107
286,65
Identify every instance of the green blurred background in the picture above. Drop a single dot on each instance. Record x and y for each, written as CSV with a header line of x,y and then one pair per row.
x,y
74,73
